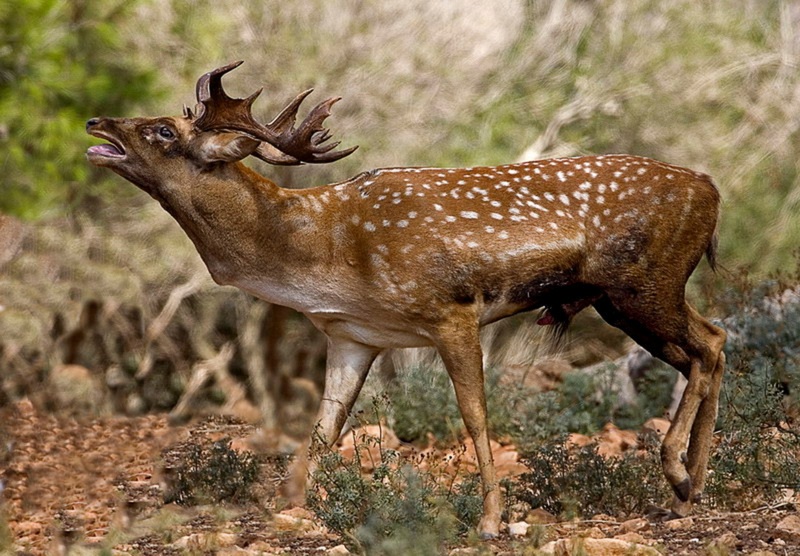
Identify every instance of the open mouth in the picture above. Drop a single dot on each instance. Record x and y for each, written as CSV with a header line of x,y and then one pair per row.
x,y
112,149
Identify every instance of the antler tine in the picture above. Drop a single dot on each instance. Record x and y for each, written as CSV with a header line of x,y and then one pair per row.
x,y
217,110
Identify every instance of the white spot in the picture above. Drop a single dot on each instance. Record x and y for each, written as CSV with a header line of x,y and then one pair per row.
x,y
560,213
554,225
369,226
503,234
561,176
495,203
496,216
600,200
564,199
355,219
601,188
469,214
614,186
489,229
396,201
437,206
412,214
402,223
533,214
512,171
387,223
450,218
641,171
472,244
585,186
549,196
596,221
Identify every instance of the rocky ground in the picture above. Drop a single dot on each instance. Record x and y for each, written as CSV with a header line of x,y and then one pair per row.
x,y
97,487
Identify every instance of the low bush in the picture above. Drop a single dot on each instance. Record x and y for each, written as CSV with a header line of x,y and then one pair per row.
x,y
214,473
579,482
759,449
395,509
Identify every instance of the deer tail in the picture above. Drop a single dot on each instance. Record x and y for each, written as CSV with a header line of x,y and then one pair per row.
x,y
713,244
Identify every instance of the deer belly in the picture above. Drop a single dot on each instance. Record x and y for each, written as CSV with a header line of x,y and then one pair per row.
x,y
381,333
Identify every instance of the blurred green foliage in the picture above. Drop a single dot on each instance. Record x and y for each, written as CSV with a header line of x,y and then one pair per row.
x,y
711,86
60,63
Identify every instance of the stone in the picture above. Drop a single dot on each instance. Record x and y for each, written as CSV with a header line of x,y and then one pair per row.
x,y
631,537
338,550
289,523
789,525
540,516
657,426
518,529
634,525
677,524
727,541
371,440
593,533
597,547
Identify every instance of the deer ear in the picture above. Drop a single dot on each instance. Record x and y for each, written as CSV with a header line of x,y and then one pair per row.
x,y
226,147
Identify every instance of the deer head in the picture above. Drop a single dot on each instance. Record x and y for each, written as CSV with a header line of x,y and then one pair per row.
x,y
151,152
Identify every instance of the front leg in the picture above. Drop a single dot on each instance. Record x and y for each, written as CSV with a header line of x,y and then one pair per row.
x,y
347,365
459,345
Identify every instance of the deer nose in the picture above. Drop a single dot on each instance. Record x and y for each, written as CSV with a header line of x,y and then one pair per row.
x,y
93,122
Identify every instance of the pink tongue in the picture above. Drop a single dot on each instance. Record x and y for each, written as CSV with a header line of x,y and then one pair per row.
x,y
105,149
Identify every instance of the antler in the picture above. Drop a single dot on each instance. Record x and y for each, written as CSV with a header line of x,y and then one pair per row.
x,y
218,111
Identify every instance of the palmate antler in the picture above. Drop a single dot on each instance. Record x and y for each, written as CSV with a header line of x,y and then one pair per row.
x,y
285,144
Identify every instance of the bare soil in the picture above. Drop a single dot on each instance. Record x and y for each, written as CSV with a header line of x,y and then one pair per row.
x,y
98,484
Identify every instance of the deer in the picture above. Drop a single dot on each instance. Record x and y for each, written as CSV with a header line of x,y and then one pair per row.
x,y
403,257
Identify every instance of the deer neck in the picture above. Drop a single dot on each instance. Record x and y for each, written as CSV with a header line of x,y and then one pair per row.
x,y
249,232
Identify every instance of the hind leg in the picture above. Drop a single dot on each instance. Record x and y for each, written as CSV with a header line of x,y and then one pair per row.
x,y
703,426
677,334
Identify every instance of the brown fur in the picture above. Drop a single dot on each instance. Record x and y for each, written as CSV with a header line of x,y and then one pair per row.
x,y
403,257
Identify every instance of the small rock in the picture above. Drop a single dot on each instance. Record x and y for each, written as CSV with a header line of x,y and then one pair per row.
x,y
634,525
789,524
289,523
338,550
593,533
599,547
656,426
727,541
299,513
463,552
631,537
762,553
540,516
676,524
518,529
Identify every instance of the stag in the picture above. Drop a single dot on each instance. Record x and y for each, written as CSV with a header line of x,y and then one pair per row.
x,y
409,257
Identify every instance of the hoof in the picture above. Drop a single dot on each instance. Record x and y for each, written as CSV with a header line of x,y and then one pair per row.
x,y
659,514
487,536
683,489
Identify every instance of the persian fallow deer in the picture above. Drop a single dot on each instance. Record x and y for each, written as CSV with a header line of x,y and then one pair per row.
x,y
405,257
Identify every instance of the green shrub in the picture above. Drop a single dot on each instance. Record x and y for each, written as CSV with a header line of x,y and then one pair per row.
x,y
397,508
214,473
759,441
580,482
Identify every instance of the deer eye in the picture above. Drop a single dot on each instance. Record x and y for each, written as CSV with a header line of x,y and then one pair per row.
x,y
166,132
